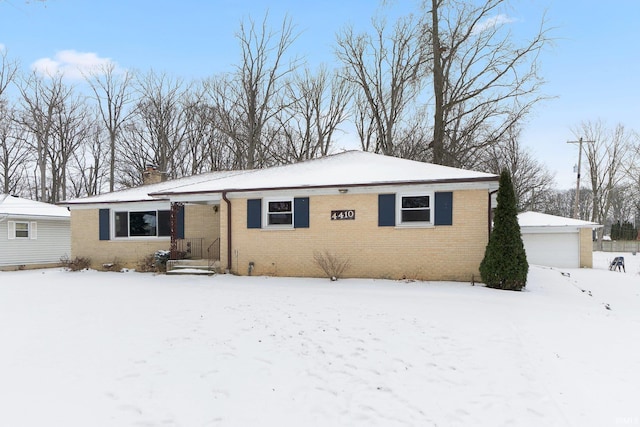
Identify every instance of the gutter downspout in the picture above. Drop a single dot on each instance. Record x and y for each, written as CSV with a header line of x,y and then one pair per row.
x,y
228,202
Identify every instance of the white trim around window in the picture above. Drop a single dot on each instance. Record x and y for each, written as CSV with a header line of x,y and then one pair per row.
x,y
140,224
22,230
415,209
278,213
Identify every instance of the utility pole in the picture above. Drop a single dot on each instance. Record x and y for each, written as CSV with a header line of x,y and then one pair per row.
x,y
577,202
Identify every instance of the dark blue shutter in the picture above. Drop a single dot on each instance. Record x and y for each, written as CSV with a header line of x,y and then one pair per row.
x,y
444,208
386,210
254,213
180,223
301,212
103,222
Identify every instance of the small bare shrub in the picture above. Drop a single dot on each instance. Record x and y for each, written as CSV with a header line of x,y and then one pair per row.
x,y
77,264
147,264
332,265
115,265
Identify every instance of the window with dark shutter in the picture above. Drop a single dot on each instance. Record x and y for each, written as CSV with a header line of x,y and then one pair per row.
x,y
254,213
180,223
103,223
444,208
301,212
164,223
386,210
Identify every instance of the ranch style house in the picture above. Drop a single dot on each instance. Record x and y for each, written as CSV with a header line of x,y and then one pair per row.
x,y
389,217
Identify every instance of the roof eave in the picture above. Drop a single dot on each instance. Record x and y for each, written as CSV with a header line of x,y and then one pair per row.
x,y
110,202
32,216
352,185
555,228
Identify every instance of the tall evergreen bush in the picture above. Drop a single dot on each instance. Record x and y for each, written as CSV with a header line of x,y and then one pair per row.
x,y
505,262
624,231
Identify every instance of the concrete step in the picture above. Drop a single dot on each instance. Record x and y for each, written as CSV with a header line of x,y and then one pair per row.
x,y
196,266
191,266
193,271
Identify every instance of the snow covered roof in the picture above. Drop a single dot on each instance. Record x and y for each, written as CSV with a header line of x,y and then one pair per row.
x,y
141,193
349,168
537,219
18,207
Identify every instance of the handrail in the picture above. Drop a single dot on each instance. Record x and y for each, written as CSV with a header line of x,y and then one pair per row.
x,y
210,260
190,247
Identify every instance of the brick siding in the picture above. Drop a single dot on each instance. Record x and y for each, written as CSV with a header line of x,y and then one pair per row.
x,y
434,253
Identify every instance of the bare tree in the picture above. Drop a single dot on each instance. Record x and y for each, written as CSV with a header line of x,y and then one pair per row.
x,y
14,153
561,203
608,152
133,155
633,174
532,181
364,123
69,132
8,72
199,122
41,101
249,99
13,149
205,147
317,106
88,172
157,128
228,118
386,69
111,91
483,83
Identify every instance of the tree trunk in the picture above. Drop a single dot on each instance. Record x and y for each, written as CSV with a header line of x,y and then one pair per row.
x,y
437,144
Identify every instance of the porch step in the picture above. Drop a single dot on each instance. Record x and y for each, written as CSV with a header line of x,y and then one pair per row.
x,y
191,270
199,267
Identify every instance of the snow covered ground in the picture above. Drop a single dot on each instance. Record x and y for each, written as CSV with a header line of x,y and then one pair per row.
x,y
132,349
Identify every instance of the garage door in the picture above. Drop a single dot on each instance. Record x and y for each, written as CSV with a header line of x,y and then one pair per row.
x,y
553,249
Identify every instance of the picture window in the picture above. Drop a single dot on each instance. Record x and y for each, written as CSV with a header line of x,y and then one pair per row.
x,y
150,223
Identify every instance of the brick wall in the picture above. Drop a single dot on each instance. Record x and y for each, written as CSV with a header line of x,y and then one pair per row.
x,y
435,253
586,248
200,221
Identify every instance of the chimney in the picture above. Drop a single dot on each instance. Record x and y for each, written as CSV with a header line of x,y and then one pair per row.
x,y
151,175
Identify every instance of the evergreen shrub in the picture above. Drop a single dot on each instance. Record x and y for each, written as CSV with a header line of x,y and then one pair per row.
x,y
505,263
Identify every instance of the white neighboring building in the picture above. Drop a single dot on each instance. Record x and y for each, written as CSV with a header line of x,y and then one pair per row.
x,y
556,241
32,234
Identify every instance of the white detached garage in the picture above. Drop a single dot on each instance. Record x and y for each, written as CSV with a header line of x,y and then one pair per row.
x,y
556,241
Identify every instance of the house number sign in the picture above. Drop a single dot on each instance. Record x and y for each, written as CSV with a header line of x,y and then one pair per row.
x,y
343,214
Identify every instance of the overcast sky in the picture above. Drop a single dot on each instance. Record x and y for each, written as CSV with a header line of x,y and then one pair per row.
x,y
592,68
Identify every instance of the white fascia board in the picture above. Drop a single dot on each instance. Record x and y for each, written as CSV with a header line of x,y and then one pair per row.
x,y
18,217
557,228
203,198
139,205
367,189
549,229
215,198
